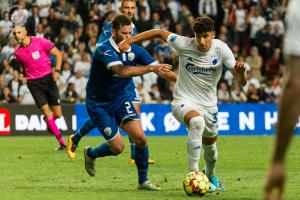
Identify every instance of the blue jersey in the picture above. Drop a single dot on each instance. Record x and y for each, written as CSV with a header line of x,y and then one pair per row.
x,y
103,85
106,32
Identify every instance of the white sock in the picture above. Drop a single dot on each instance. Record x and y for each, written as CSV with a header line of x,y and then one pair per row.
x,y
210,157
194,142
193,151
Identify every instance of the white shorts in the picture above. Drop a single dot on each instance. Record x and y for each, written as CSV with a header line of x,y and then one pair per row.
x,y
292,39
180,108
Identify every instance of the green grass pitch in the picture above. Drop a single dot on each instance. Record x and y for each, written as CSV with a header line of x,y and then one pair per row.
x,y
30,169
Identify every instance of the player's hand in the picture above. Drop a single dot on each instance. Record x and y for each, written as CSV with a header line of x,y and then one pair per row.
x,y
275,181
124,45
55,75
240,67
161,68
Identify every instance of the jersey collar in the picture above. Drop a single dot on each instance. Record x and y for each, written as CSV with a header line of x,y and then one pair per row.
x,y
115,46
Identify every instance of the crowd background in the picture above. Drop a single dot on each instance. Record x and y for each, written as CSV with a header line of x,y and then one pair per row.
x,y
252,29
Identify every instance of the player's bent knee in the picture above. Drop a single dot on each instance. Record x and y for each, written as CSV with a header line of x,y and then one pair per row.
x,y
209,141
197,124
140,141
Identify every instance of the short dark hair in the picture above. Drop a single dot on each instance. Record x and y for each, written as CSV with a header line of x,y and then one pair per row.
x,y
120,20
203,25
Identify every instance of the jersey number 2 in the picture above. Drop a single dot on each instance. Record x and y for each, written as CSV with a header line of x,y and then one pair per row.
x,y
128,107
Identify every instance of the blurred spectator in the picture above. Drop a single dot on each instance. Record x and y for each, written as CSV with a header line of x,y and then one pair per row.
x,y
175,8
79,82
7,72
33,20
143,94
9,49
5,24
255,61
223,93
251,94
155,94
163,52
240,24
6,96
15,84
70,95
165,12
25,96
84,65
3,38
44,6
142,5
257,22
251,80
237,94
143,24
208,7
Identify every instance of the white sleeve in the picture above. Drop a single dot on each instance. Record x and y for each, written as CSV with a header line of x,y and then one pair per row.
x,y
177,42
228,59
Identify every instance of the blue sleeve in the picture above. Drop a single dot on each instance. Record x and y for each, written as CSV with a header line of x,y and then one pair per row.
x,y
106,32
106,55
143,57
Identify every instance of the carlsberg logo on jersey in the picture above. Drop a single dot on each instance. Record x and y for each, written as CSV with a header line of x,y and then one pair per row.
x,y
190,67
199,70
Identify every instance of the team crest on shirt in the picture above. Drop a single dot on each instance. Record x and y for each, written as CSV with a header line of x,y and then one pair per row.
x,y
35,55
213,59
173,38
131,56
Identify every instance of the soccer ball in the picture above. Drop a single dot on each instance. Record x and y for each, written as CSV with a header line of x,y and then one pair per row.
x,y
196,183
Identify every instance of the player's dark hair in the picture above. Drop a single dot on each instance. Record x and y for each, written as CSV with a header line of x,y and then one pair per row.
x,y
120,20
203,25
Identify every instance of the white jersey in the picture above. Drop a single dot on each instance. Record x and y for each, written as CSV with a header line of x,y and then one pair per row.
x,y
199,72
292,39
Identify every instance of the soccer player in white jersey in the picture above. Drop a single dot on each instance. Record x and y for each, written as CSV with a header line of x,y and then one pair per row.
x,y
201,60
289,105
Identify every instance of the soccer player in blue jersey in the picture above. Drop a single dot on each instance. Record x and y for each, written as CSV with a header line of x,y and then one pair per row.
x,y
128,8
108,103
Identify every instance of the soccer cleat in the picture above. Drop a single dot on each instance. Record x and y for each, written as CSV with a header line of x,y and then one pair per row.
x,y
214,180
71,149
147,185
132,161
60,148
89,162
214,183
150,161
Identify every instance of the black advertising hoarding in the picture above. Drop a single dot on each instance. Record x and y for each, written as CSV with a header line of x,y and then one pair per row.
x,y
28,120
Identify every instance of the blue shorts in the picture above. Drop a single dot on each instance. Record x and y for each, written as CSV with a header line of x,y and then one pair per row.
x,y
108,116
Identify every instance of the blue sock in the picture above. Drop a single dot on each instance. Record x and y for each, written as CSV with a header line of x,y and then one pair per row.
x,y
141,160
100,151
85,129
132,148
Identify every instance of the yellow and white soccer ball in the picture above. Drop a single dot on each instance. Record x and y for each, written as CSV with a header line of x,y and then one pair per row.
x,y
196,183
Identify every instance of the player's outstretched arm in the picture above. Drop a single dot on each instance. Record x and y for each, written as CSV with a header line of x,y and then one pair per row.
x,y
147,35
132,71
238,73
170,76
